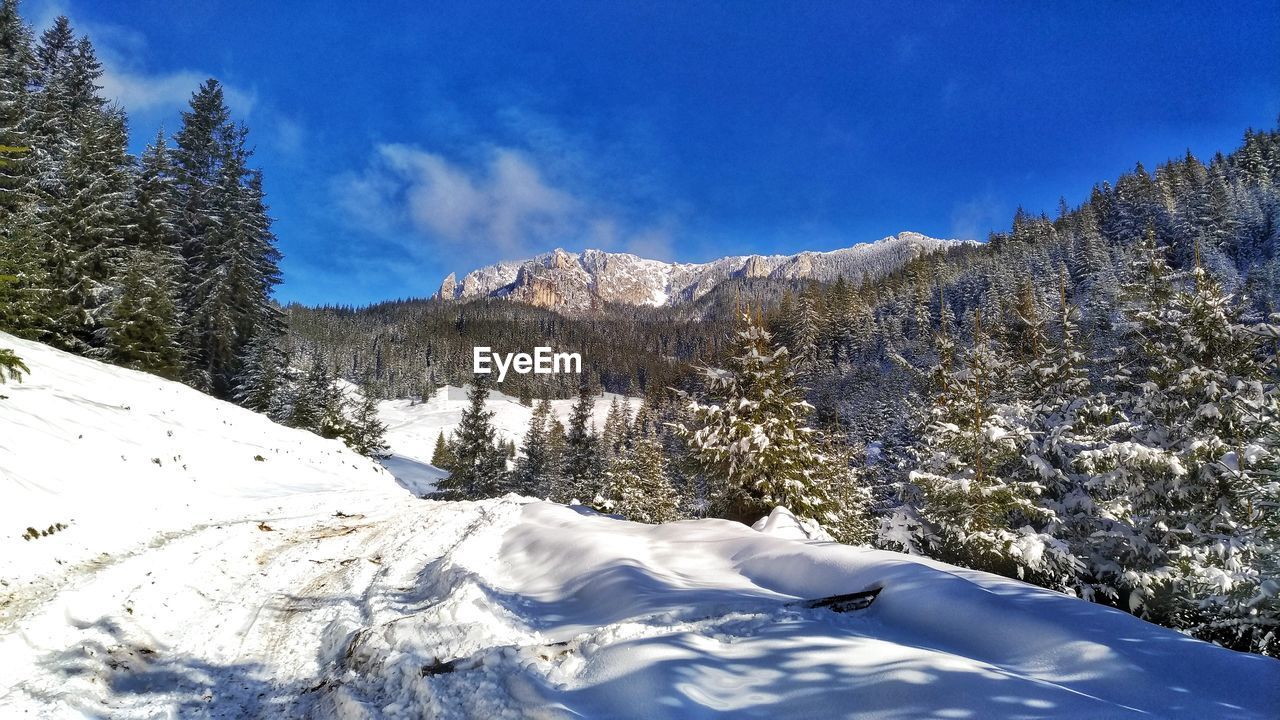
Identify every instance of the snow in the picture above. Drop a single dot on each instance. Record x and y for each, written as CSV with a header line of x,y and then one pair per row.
x,y
782,523
312,585
588,616
119,456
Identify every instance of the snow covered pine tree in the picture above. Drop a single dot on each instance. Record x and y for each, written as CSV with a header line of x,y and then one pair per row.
x,y
479,464
749,438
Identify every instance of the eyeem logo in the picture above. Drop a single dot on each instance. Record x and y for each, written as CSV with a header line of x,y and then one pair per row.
x,y
543,361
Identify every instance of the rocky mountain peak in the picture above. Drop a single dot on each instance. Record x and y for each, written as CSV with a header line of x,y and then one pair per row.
x,y
449,288
576,282
561,260
754,267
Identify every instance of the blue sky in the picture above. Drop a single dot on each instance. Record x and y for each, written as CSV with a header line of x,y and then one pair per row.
x,y
404,140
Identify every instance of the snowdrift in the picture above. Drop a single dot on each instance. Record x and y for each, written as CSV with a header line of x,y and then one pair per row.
x,y
547,611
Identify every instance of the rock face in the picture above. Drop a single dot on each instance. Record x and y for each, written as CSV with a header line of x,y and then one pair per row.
x,y
755,267
448,288
568,281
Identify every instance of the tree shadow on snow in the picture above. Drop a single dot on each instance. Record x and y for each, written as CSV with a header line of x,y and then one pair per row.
x,y
775,673
119,676
623,591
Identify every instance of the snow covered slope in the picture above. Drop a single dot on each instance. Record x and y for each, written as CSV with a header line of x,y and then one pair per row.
x,y
309,585
117,456
542,611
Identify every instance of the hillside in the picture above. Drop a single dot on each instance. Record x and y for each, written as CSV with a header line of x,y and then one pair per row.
x,y
566,281
309,585
121,457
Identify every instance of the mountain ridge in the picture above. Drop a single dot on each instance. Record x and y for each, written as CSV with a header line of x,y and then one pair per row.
x,y
562,280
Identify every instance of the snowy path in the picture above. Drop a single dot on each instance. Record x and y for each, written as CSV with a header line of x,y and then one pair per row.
x,y
224,621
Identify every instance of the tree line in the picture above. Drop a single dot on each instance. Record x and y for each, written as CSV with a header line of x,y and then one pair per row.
x,y
164,262
737,447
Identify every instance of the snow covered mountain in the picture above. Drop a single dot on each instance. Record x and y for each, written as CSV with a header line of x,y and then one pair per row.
x,y
579,281
193,559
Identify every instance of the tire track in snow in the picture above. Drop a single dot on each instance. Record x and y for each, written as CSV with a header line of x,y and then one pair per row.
x,y
241,611
18,604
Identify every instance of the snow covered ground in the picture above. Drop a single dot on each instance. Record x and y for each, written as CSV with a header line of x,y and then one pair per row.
x,y
546,611
311,584
118,457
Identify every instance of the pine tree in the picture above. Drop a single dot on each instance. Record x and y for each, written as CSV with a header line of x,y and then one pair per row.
x,y
442,455
366,433
637,486
216,299
83,183
203,143
805,332
155,226
11,366
1070,421
318,403
227,247
553,476
849,493
1027,332
142,322
333,408
140,330
977,503
613,437
479,464
264,378
98,177
530,476
582,473
749,439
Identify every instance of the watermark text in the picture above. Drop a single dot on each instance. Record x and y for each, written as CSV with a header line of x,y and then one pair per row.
x,y
543,361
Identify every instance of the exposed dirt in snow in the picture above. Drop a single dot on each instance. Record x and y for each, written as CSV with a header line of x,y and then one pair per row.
x,y
229,620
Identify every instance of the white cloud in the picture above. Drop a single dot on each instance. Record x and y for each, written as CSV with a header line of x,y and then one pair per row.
x,y
289,135
976,217
656,244
503,206
143,93
147,94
